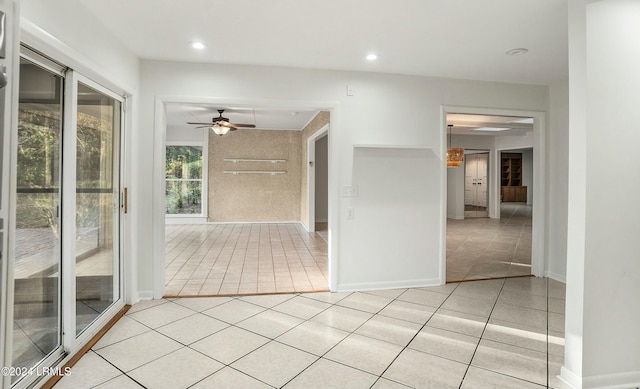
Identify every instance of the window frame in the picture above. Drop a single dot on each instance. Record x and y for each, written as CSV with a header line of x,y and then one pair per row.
x,y
191,218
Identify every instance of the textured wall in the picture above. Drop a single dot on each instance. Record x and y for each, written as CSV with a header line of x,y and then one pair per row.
x,y
254,197
321,119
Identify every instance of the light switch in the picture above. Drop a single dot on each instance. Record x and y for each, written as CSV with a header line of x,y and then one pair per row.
x,y
350,213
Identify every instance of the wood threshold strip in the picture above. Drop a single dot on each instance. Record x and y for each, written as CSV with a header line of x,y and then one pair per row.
x,y
75,358
490,278
244,294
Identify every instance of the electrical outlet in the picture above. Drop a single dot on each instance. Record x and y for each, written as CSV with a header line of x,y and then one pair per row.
x,y
350,213
349,91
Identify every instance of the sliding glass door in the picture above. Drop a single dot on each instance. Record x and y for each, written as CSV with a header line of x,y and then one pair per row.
x,y
36,314
97,211
67,278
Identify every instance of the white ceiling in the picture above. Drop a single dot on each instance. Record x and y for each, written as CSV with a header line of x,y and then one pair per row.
x,y
464,39
179,114
445,38
465,124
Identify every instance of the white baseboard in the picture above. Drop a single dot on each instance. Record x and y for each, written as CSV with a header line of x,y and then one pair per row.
x,y
145,295
271,222
360,286
185,219
606,381
613,381
556,276
455,217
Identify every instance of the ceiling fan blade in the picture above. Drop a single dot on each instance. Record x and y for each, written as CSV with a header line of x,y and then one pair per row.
x,y
203,126
243,125
198,123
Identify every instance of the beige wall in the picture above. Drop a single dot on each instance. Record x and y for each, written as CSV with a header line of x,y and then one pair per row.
x,y
321,119
254,197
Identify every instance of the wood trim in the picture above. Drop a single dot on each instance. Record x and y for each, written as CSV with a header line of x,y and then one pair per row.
x,y
490,278
245,294
75,358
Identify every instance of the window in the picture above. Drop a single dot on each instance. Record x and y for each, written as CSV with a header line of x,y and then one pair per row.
x,y
184,180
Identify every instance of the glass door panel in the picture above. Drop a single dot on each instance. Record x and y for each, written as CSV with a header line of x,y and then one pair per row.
x,y
97,191
37,320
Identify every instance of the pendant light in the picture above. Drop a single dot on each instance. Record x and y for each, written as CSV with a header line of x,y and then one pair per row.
x,y
455,155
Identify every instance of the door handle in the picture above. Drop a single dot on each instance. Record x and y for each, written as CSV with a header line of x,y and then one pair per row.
x,y
125,200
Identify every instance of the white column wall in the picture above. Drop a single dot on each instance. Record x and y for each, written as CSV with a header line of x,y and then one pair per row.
x,y
603,280
557,198
410,105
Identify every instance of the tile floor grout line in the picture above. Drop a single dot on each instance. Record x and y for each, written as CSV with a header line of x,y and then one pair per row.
x,y
120,370
482,334
415,335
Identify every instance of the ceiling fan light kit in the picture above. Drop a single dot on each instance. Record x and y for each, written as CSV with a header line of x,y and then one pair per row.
x,y
220,130
221,126
455,155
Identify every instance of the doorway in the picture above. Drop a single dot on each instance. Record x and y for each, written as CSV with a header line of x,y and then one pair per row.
x,y
505,242
476,183
67,278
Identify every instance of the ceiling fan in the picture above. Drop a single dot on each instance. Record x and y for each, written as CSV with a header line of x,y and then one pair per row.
x,y
221,124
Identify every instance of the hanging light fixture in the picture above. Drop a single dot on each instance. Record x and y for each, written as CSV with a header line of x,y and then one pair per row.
x,y
455,155
220,130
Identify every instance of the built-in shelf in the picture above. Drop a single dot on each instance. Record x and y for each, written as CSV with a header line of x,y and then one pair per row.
x,y
387,146
236,160
423,150
272,172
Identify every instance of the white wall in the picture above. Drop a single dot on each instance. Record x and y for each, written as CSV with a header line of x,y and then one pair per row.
x,y
527,173
455,192
603,275
558,178
177,134
321,164
411,105
66,31
69,22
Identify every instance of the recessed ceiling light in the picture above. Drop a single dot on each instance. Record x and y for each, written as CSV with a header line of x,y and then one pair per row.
x,y
294,113
518,51
371,57
490,129
197,45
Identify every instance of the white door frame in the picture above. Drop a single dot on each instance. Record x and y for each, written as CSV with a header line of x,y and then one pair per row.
x,y
158,200
538,260
311,176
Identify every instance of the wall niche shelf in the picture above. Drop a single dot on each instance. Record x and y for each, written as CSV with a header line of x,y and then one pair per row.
x,y
271,172
409,148
236,160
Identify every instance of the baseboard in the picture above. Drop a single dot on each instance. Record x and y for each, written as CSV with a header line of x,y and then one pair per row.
x,y
145,295
361,286
555,276
455,217
185,220
268,222
605,381
570,378
613,381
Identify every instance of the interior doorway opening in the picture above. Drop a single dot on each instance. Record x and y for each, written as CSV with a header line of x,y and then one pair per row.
x,y
476,183
238,204
486,236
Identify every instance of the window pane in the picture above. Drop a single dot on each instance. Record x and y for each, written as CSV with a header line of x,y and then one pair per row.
x,y
36,326
97,193
184,162
184,197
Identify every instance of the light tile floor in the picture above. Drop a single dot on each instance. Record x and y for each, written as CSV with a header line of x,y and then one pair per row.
x,y
506,333
481,248
230,259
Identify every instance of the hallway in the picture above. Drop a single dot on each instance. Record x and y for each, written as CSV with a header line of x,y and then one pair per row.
x,y
481,248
